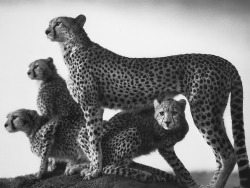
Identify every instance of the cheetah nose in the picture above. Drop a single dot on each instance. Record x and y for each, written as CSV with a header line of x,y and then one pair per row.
x,y
6,125
47,31
168,123
28,72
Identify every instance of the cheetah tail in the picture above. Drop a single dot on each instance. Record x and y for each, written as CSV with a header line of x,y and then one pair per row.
x,y
238,130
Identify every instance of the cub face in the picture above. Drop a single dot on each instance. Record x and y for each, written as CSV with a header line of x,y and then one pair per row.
x,y
41,69
63,29
21,120
170,113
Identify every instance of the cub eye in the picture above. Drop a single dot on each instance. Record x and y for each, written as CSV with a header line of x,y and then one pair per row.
x,y
36,66
174,113
161,113
58,23
14,117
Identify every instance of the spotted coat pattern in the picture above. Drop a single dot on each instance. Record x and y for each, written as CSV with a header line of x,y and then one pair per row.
x,y
101,78
53,96
126,135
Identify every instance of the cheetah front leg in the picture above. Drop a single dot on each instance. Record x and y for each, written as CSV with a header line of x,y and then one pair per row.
x,y
51,164
86,94
182,173
43,166
45,143
93,116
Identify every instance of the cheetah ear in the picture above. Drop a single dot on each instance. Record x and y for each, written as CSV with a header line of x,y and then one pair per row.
x,y
51,64
156,103
32,114
182,103
49,59
81,19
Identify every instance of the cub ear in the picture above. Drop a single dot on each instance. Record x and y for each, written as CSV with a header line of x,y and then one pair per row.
x,y
182,103
81,19
49,59
51,64
32,114
156,103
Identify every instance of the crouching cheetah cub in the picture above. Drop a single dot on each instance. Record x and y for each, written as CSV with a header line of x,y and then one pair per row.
x,y
53,97
126,135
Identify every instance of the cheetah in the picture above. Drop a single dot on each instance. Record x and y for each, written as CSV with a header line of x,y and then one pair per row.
x,y
124,138
47,137
101,78
53,96
150,135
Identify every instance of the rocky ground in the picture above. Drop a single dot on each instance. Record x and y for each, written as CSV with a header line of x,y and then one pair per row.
x,y
56,179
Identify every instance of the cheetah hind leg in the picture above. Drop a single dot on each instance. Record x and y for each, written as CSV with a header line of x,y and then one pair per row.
x,y
132,173
215,135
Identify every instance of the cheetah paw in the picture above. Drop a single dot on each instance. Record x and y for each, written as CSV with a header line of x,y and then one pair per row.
x,y
88,174
51,165
39,175
204,186
73,169
69,171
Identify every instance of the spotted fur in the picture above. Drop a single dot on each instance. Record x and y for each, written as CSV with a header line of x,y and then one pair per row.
x,y
127,135
52,140
53,96
101,78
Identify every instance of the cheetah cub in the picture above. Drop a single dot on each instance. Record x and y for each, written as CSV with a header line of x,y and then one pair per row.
x,y
53,140
53,96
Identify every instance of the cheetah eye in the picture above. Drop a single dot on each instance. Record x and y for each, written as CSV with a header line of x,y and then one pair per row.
x,y
36,66
174,113
14,117
58,23
161,113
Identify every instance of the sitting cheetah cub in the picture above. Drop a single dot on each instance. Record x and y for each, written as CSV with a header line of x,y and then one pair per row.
x,y
126,135
53,97
53,140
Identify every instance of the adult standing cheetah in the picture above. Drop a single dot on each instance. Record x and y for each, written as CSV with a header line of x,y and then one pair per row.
x,y
101,78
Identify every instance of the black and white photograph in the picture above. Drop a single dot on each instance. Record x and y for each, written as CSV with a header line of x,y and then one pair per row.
x,y
125,93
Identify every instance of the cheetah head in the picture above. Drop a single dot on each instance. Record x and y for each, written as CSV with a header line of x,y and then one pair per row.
x,y
63,29
42,69
170,113
21,120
